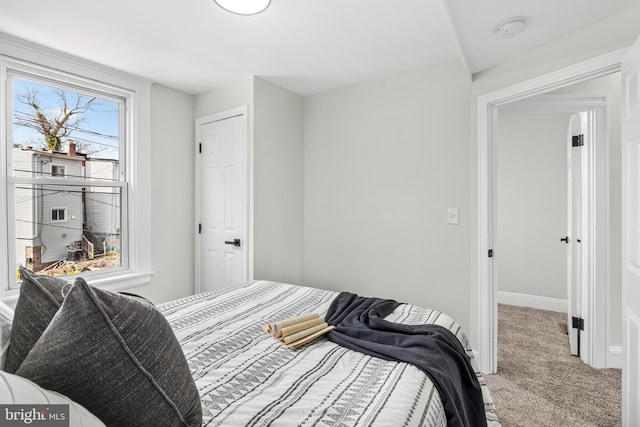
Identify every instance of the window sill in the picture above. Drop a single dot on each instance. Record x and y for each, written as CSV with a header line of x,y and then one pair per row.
x,y
113,283
122,282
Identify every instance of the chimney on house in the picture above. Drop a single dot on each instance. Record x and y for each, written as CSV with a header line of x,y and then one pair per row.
x,y
71,148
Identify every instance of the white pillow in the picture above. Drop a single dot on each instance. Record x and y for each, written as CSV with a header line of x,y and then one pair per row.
x,y
18,390
6,320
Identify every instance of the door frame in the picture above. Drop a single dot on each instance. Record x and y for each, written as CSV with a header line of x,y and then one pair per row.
x,y
630,150
486,319
247,237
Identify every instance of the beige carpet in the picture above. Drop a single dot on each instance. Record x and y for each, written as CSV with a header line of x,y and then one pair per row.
x,y
539,383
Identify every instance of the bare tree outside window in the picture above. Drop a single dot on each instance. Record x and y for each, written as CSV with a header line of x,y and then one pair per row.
x,y
57,123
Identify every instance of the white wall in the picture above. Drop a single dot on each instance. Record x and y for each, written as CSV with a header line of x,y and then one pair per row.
x,y
278,183
172,196
225,98
532,203
383,162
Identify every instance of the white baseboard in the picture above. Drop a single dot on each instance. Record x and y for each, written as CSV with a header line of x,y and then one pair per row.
x,y
533,301
614,357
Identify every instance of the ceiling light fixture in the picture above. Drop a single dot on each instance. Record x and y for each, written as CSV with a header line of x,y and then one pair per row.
x,y
244,7
510,27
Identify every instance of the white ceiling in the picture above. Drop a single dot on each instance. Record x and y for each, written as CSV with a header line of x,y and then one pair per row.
x,y
306,46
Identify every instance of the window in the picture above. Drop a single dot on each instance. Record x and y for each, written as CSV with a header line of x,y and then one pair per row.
x,y
58,214
58,170
77,137
80,130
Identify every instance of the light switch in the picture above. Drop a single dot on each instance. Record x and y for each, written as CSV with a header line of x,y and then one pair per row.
x,y
453,216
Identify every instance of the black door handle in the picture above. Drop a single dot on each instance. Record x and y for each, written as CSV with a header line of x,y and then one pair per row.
x,y
565,239
234,242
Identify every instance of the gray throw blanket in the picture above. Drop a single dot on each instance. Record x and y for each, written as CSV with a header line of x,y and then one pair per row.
x,y
360,326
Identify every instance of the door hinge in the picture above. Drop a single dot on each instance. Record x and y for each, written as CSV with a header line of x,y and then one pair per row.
x,y
200,147
490,253
577,140
577,323
200,228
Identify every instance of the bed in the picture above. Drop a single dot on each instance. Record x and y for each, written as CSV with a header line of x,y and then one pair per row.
x,y
117,359
247,378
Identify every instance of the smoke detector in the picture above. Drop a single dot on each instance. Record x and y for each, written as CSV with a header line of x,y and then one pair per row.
x,y
510,27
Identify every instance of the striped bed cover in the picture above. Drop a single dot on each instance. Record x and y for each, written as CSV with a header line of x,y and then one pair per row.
x,y
247,378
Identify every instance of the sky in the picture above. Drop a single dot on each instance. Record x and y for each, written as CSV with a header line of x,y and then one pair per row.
x,y
98,133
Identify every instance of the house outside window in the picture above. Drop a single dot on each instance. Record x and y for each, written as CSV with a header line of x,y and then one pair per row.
x,y
102,153
58,214
58,170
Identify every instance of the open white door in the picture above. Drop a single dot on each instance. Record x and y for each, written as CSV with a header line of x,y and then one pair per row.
x,y
631,236
577,176
574,309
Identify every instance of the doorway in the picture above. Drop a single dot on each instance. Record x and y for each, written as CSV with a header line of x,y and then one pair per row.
x,y
552,192
488,106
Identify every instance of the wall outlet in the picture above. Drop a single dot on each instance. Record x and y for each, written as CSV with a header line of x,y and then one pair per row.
x,y
453,216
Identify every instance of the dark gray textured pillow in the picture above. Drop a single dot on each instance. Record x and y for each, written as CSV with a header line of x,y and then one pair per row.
x,y
6,320
39,300
117,356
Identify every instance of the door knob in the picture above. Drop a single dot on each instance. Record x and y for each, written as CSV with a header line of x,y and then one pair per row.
x,y
234,242
565,239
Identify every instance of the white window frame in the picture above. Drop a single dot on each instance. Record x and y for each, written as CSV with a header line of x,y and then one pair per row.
x,y
16,54
64,210
62,167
